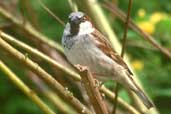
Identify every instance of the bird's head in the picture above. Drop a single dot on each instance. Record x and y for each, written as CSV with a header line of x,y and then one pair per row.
x,y
79,23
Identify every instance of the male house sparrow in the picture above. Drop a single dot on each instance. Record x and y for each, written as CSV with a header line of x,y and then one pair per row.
x,y
84,45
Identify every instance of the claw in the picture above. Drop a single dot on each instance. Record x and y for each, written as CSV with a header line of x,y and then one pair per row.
x,y
98,83
80,68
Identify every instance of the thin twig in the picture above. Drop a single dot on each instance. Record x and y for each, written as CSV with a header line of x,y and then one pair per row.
x,y
51,95
5,25
126,28
30,30
121,102
45,76
38,54
93,91
121,15
122,52
138,44
116,98
26,11
51,13
24,88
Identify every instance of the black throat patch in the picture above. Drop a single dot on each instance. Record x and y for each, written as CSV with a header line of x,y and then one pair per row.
x,y
74,29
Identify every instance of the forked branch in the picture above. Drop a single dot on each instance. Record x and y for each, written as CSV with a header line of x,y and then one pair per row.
x,y
92,90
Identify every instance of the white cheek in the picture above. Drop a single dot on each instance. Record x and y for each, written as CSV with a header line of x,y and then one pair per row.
x,y
67,29
85,28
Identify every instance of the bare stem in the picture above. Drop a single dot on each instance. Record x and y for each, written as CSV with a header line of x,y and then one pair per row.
x,y
122,52
116,98
93,91
121,15
27,27
24,88
27,10
121,102
51,95
45,76
126,28
38,54
51,13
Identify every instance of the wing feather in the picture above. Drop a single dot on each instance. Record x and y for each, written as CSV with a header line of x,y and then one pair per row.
x,y
103,44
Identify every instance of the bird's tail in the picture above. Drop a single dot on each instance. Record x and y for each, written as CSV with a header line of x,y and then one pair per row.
x,y
146,101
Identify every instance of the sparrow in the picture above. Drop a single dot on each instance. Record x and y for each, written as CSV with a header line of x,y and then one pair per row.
x,y
84,45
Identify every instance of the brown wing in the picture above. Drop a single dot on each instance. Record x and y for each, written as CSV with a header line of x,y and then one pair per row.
x,y
102,43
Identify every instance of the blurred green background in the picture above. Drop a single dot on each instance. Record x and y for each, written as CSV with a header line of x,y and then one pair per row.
x,y
152,67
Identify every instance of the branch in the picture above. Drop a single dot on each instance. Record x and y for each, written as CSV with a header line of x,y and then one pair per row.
x,y
51,95
121,15
138,44
51,13
24,88
38,54
45,76
26,11
92,90
27,27
123,51
121,102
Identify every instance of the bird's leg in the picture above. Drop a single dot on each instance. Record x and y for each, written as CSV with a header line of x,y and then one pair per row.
x,y
97,82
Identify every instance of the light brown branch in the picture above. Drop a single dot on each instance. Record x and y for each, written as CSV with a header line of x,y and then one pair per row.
x,y
38,54
51,95
92,90
121,102
45,76
24,88
27,27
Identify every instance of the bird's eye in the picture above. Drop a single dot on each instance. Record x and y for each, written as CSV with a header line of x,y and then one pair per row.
x,y
83,19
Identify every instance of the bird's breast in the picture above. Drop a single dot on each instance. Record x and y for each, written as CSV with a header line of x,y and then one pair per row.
x,y
79,52
84,52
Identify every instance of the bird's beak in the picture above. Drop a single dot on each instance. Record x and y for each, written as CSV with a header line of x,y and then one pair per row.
x,y
75,21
